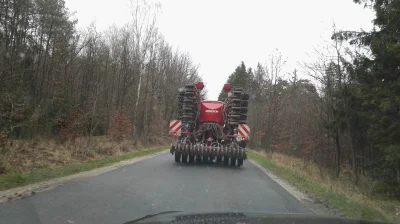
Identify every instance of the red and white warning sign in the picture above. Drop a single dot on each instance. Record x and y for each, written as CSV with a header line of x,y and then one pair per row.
x,y
244,130
175,127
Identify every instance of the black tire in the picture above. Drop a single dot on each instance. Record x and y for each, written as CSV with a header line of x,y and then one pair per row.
x,y
226,161
177,157
184,158
233,161
191,158
198,159
219,159
240,162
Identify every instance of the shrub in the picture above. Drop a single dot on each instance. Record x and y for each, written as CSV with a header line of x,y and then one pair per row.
x,y
3,139
121,127
71,128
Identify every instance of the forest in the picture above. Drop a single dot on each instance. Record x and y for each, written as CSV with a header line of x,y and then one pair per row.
x,y
60,83
56,81
345,116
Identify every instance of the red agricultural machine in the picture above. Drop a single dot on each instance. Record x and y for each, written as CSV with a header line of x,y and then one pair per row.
x,y
210,131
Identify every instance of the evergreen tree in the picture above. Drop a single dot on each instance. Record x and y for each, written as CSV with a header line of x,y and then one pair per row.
x,y
240,78
377,93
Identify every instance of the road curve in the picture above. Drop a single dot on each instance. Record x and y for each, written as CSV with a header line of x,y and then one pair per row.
x,y
151,186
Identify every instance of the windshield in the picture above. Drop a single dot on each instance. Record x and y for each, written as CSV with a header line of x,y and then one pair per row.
x,y
114,110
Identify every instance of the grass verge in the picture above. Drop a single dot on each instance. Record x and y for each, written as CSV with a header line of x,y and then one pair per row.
x,y
13,180
345,203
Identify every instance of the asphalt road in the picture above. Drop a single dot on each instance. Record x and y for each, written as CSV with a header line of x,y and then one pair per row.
x,y
151,186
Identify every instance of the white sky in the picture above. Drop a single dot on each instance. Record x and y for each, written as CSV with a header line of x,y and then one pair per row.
x,y
220,34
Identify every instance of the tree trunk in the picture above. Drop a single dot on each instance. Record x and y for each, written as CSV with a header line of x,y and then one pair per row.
x,y
338,156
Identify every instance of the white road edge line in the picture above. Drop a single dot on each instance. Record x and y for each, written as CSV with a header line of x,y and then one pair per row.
x,y
300,196
29,190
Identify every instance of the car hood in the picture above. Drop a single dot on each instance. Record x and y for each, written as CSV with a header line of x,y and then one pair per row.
x,y
244,218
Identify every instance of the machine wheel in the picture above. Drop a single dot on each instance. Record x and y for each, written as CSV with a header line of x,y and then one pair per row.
x,y
226,161
184,158
233,161
240,162
177,157
198,158
219,159
191,158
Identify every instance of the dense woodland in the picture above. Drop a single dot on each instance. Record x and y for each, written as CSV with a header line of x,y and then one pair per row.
x,y
345,115
56,81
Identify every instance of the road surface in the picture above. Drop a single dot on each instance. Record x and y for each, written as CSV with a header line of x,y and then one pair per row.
x,y
151,186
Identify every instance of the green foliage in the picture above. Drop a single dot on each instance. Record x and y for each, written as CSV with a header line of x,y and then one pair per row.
x,y
376,88
240,78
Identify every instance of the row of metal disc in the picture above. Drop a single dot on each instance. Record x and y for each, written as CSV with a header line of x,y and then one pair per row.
x,y
187,107
186,158
236,106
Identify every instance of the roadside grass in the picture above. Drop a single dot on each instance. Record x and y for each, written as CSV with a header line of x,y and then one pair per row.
x,y
13,180
337,192
23,156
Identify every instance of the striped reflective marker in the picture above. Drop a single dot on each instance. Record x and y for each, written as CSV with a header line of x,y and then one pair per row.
x,y
244,130
175,127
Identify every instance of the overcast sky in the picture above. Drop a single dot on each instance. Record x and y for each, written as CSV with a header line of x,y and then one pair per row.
x,y
220,34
